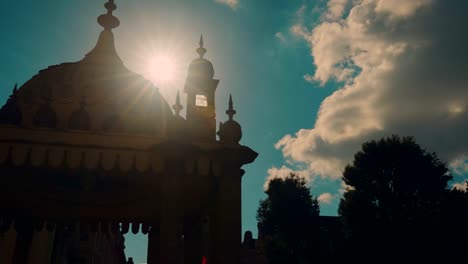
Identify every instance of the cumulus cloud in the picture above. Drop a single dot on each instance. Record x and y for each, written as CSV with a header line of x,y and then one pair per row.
x,y
284,172
336,9
400,8
231,3
344,188
309,78
462,186
325,198
280,36
459,166
403,69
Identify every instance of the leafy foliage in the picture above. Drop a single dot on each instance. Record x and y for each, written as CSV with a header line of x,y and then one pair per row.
x,y
398,201
289,217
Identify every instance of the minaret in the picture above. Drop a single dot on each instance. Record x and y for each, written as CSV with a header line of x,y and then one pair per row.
x,y
200,88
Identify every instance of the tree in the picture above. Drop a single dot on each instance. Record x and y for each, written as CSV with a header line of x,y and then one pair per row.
x,y
289,221
394,206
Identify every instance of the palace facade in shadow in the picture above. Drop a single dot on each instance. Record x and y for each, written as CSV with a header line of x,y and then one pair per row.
x,y
90,150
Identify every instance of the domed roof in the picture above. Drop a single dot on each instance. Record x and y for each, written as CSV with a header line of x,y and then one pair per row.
x,y
230,132
201,67
95,94
91,96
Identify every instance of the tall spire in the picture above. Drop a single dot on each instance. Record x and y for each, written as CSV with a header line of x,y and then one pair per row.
x,y
201,50
109,21
104,51
231,112
177,106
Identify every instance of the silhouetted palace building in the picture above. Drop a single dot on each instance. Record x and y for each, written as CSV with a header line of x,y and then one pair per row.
x,y
90,151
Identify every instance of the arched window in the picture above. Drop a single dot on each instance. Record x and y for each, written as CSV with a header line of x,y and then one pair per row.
x,y
45,117
80,120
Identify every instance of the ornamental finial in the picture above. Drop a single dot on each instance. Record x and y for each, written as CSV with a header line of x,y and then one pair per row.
x,y
201,50
231,112
177,106
109,21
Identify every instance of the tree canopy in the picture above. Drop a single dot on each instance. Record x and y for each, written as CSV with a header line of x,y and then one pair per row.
x,y
288,218
397,196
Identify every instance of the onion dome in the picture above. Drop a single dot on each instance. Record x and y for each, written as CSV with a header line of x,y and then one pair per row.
x,y
230,132
10,113
201,68
97,93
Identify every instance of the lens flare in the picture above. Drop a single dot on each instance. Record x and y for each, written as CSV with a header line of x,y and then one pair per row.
x,y
161,69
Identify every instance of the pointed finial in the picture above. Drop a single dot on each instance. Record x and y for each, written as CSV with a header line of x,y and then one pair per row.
x,y
201,41
231,112
201,50
177,106
13,94
109,21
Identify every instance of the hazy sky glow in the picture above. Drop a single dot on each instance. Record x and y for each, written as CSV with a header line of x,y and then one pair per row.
x,y
311,80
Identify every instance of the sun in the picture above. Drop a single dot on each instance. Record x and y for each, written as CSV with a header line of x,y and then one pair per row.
x,y
162,69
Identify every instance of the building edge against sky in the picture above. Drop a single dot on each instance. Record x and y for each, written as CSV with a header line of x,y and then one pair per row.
x,y
92,148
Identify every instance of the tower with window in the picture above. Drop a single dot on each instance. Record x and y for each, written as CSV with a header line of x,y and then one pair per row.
x,y
200,87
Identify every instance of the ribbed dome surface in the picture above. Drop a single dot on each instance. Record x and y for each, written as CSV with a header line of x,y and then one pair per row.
x,y
92,95
96,95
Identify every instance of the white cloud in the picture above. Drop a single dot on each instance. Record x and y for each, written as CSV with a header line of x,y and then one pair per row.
x,y
344,188
400,8
309,78
459,165
462,186
325,198
231,3
336,9
300,13
284,172
280,36
403,66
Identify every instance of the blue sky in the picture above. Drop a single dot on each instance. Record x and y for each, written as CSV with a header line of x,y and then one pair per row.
x,y
370,68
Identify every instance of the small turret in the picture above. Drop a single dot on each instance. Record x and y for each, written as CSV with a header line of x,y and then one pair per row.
x,y
230,132
200,88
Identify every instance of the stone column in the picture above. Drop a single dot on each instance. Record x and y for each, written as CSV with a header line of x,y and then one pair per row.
x,y
170,234
227,221
23,243
153,245
41,247
192,242
7,246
